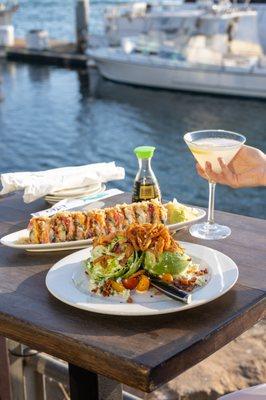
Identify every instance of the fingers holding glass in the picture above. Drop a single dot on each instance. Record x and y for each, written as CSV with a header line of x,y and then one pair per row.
x,y
213,150
225,177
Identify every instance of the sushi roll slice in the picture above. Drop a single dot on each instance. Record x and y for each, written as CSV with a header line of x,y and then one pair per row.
x,y
151,212
33,230
141,212
157,212
129,213
46,231
163,212
40,230
59,228
95,225
122,221
79,218
64,227
111,220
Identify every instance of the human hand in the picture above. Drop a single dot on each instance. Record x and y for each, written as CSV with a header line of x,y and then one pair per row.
x,y
247,169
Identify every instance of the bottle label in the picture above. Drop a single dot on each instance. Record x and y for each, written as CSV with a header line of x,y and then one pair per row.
x,y
146,192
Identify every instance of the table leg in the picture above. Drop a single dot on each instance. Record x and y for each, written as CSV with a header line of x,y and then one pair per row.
x,y
86,385
83,384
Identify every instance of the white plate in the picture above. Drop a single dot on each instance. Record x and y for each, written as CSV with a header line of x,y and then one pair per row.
x,y
12,239
51,199
76,191
75,195
67,282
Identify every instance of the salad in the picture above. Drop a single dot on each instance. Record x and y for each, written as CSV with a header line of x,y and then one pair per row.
x,y
122,263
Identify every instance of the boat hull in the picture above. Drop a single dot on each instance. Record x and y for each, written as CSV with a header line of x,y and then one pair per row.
x,y
195,79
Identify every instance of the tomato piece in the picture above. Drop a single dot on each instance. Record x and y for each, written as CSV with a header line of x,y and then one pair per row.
x,y
143,285
168,278
130,283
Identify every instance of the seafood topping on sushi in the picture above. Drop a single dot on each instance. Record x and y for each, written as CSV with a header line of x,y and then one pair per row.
x,y
78,225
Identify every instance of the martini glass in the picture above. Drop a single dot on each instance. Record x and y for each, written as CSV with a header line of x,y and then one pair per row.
x,y
205,146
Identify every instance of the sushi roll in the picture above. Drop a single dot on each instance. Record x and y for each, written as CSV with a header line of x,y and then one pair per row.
x,y
78,225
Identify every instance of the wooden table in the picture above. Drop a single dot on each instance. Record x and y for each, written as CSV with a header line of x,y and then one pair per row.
x,y
142,352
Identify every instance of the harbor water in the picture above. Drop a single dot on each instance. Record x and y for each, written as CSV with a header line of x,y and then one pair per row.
x,y
52,117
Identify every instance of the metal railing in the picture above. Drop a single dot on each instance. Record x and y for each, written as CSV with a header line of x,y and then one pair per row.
x,y
30,372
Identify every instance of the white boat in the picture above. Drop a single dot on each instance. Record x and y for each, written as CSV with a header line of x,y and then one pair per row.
x,y
141,70
129,19
215,53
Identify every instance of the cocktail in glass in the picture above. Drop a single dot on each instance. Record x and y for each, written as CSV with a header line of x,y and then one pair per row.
x,y
208,146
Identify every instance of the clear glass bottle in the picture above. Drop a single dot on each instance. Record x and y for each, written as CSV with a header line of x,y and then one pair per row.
x,y
146,186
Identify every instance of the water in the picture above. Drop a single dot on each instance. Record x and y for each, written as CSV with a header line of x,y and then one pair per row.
x,y
57,17
53,117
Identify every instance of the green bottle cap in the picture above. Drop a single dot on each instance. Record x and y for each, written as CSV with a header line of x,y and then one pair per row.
x,y
144,151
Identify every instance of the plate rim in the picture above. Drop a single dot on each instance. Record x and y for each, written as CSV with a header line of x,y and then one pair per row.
x,y
151,311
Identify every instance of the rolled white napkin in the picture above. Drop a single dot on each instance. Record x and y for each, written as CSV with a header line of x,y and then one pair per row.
x,y
38,184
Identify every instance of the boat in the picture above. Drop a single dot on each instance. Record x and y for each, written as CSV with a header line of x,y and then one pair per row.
x,y
218,51
128,19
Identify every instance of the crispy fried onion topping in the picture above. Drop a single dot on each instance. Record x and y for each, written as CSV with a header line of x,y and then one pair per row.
x,y
143,237
154,237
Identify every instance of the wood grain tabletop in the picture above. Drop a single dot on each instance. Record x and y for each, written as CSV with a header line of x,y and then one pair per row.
x,y
143,352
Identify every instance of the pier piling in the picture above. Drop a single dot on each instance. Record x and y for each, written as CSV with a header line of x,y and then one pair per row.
x,y
82,25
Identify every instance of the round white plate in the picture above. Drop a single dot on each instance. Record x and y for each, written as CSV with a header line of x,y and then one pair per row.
x,y
53,199
12,239
67,282
76,191
74,196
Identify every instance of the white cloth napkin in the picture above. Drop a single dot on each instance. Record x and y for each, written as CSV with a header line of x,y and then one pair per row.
x,y
38,184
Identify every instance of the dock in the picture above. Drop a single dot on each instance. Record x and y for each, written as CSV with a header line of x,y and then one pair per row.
x,y
60,53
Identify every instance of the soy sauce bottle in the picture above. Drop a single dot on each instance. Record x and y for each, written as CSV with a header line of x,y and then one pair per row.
x,y
145,185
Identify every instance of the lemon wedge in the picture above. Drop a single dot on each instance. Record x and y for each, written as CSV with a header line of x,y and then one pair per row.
x,y
198,151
